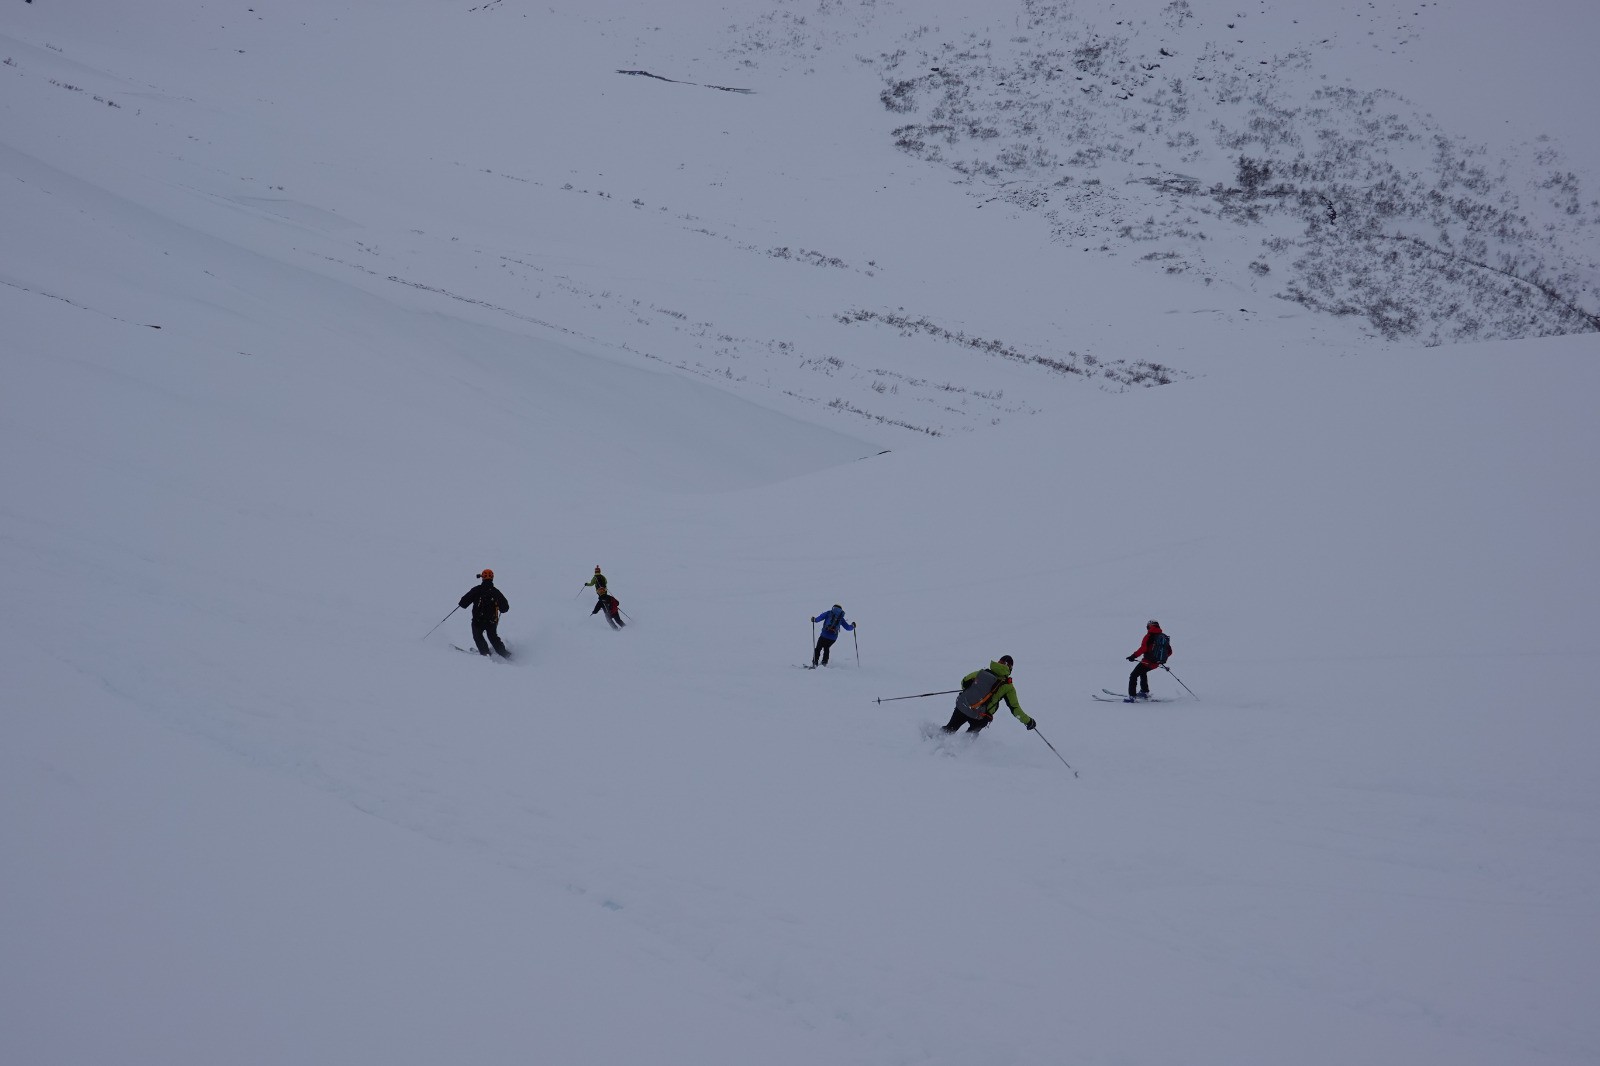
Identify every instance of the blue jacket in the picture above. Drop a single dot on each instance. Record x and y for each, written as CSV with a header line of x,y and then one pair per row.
x,y
831,621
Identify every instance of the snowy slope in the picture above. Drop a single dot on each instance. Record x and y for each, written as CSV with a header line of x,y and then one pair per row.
x,y
306,330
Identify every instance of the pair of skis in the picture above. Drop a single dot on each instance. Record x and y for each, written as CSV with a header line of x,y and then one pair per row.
x,y
1117,697
475,651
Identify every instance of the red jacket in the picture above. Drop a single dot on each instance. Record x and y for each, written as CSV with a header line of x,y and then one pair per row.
x,y
1144,653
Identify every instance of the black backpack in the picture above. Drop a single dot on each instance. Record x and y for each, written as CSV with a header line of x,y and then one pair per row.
x,y
1160,648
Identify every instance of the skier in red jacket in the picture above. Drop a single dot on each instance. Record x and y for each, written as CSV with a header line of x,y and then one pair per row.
x,y
1154,650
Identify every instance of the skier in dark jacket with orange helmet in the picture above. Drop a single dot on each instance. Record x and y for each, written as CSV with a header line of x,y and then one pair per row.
x,y
488,604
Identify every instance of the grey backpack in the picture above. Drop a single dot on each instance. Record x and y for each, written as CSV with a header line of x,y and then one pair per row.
x,y
974,699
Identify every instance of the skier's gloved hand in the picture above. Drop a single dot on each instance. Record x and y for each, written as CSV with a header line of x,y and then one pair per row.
x,y
1131,658
1032,724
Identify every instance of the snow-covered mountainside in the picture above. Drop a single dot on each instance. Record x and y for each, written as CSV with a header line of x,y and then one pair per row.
x,y
1256,147
314,310
513,167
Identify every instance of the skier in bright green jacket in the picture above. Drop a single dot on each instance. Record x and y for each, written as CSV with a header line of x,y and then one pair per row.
x,y
981,692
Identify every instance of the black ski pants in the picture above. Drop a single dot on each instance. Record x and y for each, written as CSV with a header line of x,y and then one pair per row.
x,y
482,629
959,717
822,648
1140,679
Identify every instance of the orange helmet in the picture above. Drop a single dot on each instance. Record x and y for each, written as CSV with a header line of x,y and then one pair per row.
x,y
488,574
597,569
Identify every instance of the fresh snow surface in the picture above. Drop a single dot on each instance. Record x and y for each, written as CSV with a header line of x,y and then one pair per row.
x,y
303,328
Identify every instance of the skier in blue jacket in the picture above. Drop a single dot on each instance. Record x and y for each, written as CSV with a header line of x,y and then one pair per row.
x,y
831,621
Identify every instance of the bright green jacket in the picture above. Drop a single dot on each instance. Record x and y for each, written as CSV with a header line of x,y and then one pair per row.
x,y
1007,691
599,583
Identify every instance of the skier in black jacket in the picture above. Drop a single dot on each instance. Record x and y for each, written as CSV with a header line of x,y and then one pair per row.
x,y
488,604
608,603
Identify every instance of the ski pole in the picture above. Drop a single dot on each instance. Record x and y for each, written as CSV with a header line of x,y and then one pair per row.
x,y
857,639
442,621
918,696
1052,747
813,641
1179,680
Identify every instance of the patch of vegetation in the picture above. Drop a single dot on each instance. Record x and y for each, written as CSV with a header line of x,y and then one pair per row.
x,y
1120,371
802,255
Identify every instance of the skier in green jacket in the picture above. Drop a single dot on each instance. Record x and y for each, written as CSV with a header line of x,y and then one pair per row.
x,y
981,692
